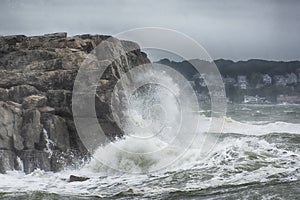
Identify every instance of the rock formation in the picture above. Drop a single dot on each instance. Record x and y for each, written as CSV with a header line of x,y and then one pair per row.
x,y
36,81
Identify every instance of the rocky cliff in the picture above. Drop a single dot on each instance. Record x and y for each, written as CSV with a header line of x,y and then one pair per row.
x,y
36,81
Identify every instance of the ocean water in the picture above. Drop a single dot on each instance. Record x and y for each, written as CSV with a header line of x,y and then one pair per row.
x,y
257,156
175,148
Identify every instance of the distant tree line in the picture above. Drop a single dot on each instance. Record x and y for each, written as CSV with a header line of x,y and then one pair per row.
x,y
231,68
253,69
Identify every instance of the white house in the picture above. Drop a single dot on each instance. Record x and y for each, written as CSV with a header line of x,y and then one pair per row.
x,y
243,86
242,82
280,80
291,78
267,80
242,79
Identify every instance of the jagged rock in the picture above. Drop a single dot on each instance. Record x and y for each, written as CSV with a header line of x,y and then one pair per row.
x,y
71,59
56,35
74,178
75,141
32,128
60,100
35,159
34,101
17,93
47,65
10,126
19,60
76,43
43,81
57,130
7,161
37,76
10,43
47,109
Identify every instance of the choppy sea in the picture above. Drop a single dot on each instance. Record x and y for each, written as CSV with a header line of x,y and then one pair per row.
x,y
257,156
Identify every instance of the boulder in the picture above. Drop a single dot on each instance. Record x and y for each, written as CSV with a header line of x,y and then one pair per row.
x,y
56,35
20,60
46,109
10,43
10,126
75,43
57,131
17,93
74,178
7,161
31,128
60,100
35,159
34,101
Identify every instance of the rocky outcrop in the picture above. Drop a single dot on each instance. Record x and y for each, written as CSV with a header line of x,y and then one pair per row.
x,y
36,81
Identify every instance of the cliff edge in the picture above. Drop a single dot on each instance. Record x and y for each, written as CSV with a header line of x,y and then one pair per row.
x,y
37,74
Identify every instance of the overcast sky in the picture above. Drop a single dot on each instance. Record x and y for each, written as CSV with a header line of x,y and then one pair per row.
x,y
230,29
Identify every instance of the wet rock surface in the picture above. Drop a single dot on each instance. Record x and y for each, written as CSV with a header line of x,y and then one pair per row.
x,y
74,178
37,75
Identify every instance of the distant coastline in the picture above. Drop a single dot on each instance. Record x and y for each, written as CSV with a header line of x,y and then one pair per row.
x,y
252,81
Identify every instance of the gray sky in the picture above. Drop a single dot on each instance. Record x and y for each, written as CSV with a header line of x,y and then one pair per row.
x,y
230,29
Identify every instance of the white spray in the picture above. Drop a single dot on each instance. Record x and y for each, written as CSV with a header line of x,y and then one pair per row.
x,y
49,144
